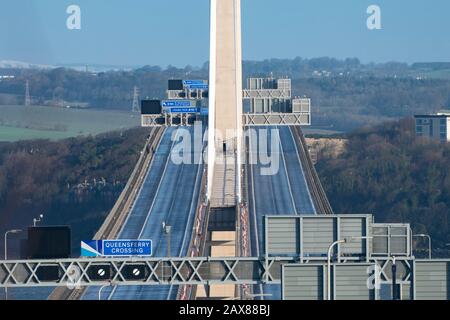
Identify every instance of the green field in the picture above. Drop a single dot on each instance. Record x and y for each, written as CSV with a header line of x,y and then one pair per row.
x,y
24,123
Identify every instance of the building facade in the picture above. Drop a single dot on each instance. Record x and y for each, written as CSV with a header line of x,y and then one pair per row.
x,y
434,126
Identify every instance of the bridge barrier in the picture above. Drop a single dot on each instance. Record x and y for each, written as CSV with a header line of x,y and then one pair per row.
x,y
318,194
198,239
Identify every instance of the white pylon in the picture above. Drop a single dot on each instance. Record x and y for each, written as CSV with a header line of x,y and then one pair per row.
x,y
27,94
135,107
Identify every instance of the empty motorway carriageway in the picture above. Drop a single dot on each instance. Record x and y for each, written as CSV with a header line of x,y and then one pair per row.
x,y
292,189
169,194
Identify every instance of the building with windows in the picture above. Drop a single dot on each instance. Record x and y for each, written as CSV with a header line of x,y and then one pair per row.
x,y
434,126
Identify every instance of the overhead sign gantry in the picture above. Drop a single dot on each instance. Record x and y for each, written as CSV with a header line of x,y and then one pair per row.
x,y
361,267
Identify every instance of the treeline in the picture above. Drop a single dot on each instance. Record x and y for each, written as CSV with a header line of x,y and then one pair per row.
x,y
387,171
345,93
73,182
111,90
348,103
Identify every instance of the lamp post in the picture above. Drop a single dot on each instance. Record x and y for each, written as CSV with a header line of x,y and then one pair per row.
x,y
101,289
167,229
14,231
36,220
422,235
330,249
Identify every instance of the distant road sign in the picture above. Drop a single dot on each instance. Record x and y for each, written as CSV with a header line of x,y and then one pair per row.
x,y
184,110
193,82
177,103
199,86
196,84
116,248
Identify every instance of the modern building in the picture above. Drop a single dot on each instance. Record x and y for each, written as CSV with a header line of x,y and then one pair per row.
x,y
434,126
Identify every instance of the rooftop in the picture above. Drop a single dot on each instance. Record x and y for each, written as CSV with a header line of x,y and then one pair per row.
x,y
440,114
444,113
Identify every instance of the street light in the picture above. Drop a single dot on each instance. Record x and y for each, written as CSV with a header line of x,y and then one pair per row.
x,y
14,231
101,289
36,220
167,229
422,235
330,249
329,265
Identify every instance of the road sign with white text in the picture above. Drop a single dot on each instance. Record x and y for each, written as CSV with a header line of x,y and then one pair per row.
x,y
116,248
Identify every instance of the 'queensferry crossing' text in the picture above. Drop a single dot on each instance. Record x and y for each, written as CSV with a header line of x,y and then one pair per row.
x,y
127,247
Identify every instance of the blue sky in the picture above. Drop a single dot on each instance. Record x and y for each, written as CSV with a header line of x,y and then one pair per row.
x,y
141,32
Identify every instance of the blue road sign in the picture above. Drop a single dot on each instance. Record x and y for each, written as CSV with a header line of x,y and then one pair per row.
x,y
116,248
193,82
91,248
196,84
184,110
199,86
177,103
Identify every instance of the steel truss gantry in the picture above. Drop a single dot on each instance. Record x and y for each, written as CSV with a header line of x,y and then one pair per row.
x,y
84,272
249,119
168,120
266,93
276,119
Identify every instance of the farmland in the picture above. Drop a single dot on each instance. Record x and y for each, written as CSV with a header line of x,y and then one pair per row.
x,y
23,123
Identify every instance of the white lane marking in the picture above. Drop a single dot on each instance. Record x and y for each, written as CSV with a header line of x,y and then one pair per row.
x,y
153,202
253,193
159,186
139,193
190,215
255,222
303,170
285,170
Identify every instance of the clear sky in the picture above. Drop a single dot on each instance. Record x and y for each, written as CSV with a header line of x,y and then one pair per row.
x,y
163,32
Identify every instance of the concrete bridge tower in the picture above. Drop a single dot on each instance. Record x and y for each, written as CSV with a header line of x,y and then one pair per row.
x,y
225,103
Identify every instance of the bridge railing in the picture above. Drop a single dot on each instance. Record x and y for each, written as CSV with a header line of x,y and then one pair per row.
x,y
111,226
198,236
318,194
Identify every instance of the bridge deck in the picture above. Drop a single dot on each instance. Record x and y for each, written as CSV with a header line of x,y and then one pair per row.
x,y
284,193
169,194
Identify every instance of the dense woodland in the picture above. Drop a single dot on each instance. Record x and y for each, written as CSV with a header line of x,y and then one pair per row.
x,y
346,94
74,181
387,171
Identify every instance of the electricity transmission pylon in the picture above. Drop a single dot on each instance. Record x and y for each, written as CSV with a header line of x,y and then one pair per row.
x,y
135,106
27,94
